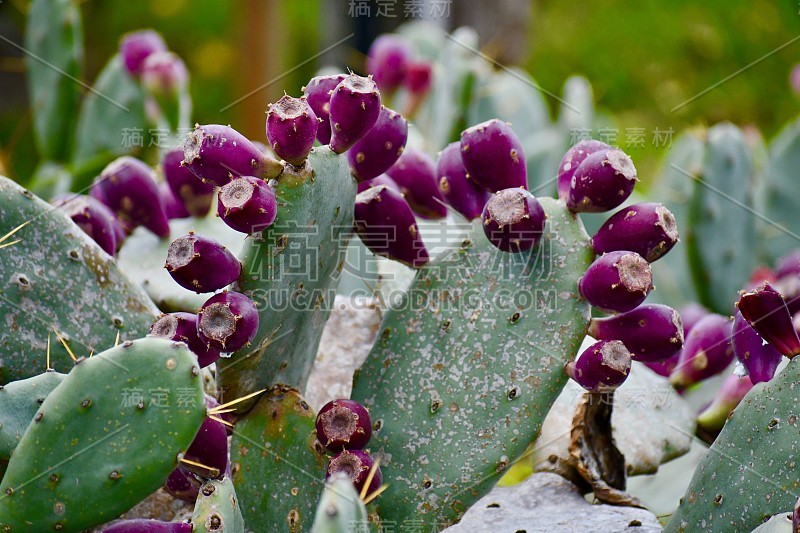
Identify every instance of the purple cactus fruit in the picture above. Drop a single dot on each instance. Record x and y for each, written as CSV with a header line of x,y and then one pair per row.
x,y
617,281
383,179
732,391
380,148
201,264
343,424
227,321
182,327
217,154
463,194
127,186
652,332
601,182
602,367
212,403
291,129
765,310
164,74
419,78
492,155
415,173
93,217
183,485
386,225
649,229
788,265
355,464
210,449
247,204
387,60
691,314
172,205
195,194
707,351
354,109
137,46
318,94
664,368
146,525
572,159
759,358
514,220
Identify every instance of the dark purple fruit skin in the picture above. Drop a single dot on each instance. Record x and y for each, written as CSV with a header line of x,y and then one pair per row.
x,y
419,76
172,205
380,148
788,265
182,327
318,93
601,182
415,173
708,351
387,60
195,194
363,462
652,332
201,264
128,188
514,220
183,485
492,155
649,229
357,438
209,448
691,314
766,311
572,159
242,332
93,217
255,214
666,367
383,179
760,359
137,46
386,225
617,282
212,403
291,129
144,525
596,370
463,194
217,154
354,109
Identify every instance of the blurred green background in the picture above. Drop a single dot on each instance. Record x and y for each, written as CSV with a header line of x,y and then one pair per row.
x,y
643,58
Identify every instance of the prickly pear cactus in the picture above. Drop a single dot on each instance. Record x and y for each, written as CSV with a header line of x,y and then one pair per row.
x,y
105,438
462,374
217,508
340,509
55,278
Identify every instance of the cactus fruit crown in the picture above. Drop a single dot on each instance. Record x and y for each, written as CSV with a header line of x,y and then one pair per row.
x,y
181,252
507,207
218,321
634,273
237,193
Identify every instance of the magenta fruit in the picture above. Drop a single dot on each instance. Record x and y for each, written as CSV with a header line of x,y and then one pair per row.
x,y
164,74
463,194
227,321
765,310
601,182
760,359
182,327
201,264
419,78
691,314
291,129
195,194
354,108
355,464
93,217
732,391
415,173
183,485
343,424
652,332
514,220
617,281
572,159
210,449
247,204
137,46
649,229
492,155
666,367
602,367
172,205
383,179
318,94
387,60
380,148
146,525
788,265
707,351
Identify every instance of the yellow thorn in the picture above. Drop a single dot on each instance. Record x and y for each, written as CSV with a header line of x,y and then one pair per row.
x,y
66,346
13,231
370,475
91,353
210,469
375,494
12,243
221,421
48,351
222,411
116,342
234,402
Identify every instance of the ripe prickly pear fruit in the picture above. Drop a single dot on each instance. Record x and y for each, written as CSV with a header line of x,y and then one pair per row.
x,y
572,159
247,204
380,148
383,179
617,281
217,154
732,391
127,186
183,485
666,367
355,464
652,332
291,129
147,525
463,194
137,46
601,182
195,194
691,314
708,351
343,424
386,225
788,265
602,367
210,449
318,94
164,74
765,310
419,78
173,207
182,327
227,321
387,60
201,264
354,108
514,220
93,217
649,229
415,173
492,155
760,359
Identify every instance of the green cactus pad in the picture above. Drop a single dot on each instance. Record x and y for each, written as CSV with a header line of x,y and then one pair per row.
x,y
461,378
57,278
217,508
277,463
291,271
340,509
750,472
105,438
